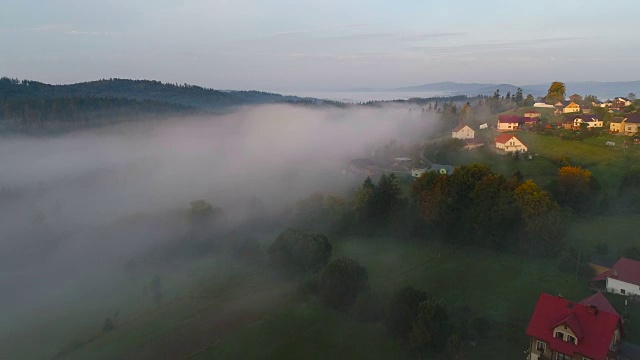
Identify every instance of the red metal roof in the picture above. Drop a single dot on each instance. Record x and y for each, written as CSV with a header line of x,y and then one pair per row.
x,y
594,329
510,119
598,300
503,138
626,270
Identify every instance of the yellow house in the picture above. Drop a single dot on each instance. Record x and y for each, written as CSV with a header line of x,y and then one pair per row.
x,y
571,108
628,126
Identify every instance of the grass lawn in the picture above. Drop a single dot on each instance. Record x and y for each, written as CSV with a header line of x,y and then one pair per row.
x,y
618,232
255,315
307,331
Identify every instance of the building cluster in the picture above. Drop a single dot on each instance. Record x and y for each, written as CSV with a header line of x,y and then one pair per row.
x,y
591,329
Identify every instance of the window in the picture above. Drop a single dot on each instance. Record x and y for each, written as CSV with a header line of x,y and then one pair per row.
x,y
559,335
540,346
623,291
571,339
563,357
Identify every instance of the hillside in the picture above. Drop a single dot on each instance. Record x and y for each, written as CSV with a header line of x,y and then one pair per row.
x,y
604,90
187,95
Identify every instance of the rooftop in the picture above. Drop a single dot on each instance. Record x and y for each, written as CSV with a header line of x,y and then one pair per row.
x,y
593,326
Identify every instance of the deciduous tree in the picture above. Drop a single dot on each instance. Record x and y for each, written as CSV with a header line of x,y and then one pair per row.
x,y
342,281
556,92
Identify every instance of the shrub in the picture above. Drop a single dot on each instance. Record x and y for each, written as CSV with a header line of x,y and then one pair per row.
x,y
402,310
295,252
342,281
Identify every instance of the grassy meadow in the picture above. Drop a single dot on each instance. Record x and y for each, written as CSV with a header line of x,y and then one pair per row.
x,y
256,315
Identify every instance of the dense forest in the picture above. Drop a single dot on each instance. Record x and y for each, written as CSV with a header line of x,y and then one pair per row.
x,y
188,95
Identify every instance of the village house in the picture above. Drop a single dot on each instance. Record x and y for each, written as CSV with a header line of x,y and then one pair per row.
x,y
623,278
620,103
470,144
572,107
364,167
532,114
509,143
462,132
627,125
543,105
575,121
484,126
562,330
509,122
440,169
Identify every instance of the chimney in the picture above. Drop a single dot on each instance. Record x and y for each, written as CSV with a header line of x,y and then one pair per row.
x,y
592,309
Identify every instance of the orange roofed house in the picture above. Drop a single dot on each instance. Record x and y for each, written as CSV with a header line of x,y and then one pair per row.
x,y
562,330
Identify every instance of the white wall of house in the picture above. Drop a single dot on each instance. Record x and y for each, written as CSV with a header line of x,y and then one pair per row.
x,y
568,110
512,145
507,126
464,133
616,286
543,105
418,172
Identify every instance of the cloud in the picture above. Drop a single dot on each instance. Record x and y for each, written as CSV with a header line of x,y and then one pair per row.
x,y
67,29
493,46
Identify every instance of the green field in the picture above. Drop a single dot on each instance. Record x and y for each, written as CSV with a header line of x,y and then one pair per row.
x,y
253,314
220,308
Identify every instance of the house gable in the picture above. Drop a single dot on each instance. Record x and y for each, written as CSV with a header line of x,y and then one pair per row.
x,y
573,329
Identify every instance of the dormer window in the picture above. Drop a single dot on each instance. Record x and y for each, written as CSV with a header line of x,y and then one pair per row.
x,y
571,339
559,335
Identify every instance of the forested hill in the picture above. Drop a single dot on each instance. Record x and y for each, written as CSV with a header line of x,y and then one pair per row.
x,y
188,95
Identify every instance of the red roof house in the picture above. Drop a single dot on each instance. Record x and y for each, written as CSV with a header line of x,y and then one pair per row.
x,y
561,329
510,143
623,278
509,122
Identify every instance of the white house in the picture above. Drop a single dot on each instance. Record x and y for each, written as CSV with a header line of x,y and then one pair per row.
x,y
462,132
440,169
592,121
623,278
543,105
484,126
510,143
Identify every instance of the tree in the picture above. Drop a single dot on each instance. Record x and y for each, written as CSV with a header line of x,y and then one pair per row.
x,y
402,310
342,281
529,101
297,253
590,99
386,197
556,92
431,327
576,98
631,96
575,187
518,98
545,224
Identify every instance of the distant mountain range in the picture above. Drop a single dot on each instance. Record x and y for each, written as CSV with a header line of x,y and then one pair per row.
x,y
604,90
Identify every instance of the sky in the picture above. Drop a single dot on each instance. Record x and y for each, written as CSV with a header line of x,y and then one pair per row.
x,y
319,44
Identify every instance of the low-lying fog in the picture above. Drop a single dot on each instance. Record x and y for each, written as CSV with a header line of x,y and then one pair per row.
x,y
63,198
